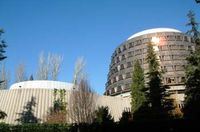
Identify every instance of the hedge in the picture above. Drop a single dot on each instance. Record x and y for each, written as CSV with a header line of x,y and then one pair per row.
x,y
164,126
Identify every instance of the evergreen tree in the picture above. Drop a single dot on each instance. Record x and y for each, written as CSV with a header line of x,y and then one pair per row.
x,y
197,1
138,86
2,57
192,99
103,116
2,46
31,77
156,91
191,104
126,117
27,115
194,27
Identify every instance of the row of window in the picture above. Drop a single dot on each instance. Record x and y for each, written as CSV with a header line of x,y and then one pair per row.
x,y
166,68
119,78
162,48
166,80
176,47
121,67
173,80
173,57
173,68
119,89
146,40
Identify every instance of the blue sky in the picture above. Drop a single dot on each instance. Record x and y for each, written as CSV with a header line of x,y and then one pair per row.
x,y
89,28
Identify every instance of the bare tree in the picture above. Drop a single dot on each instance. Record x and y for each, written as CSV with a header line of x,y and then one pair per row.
x,y
4,77
82,103
20,74
43,68
82,99
79,71
55,61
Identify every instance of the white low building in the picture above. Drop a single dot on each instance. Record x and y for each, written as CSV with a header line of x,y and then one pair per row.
x,y
12,101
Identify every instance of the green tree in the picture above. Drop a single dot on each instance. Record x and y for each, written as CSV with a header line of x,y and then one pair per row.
x,y
197,1
103,116
138,87
31,78
156,89
27,115
191,108
2,46
194,27
2,57
192,99
126,117
58,113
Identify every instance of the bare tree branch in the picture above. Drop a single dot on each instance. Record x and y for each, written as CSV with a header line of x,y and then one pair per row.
x,y
82,103
20,74
43,68
82,99
79,71
55,61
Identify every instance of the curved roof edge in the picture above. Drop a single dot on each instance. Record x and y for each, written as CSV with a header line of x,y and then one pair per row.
x,y
41,84
153,30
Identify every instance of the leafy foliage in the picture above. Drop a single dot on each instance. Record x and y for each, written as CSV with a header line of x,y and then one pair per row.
x,y
58,113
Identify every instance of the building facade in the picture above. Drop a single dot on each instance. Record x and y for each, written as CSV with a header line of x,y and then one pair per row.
x,y
14,100
171,46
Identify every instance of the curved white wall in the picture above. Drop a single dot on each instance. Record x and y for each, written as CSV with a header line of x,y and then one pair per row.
x,y
42,84
13,101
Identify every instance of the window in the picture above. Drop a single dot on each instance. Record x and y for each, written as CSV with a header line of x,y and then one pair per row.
x,y
119,89
129,54
119,50
186,39
123,57
178,38
121,67
124,47
130,45
129,64
128,75
182,79
120,77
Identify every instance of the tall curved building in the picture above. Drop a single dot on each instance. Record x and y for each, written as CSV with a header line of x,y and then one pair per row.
x,y
171,46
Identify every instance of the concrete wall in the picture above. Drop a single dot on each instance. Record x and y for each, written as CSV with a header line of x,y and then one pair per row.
x,y
13,101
